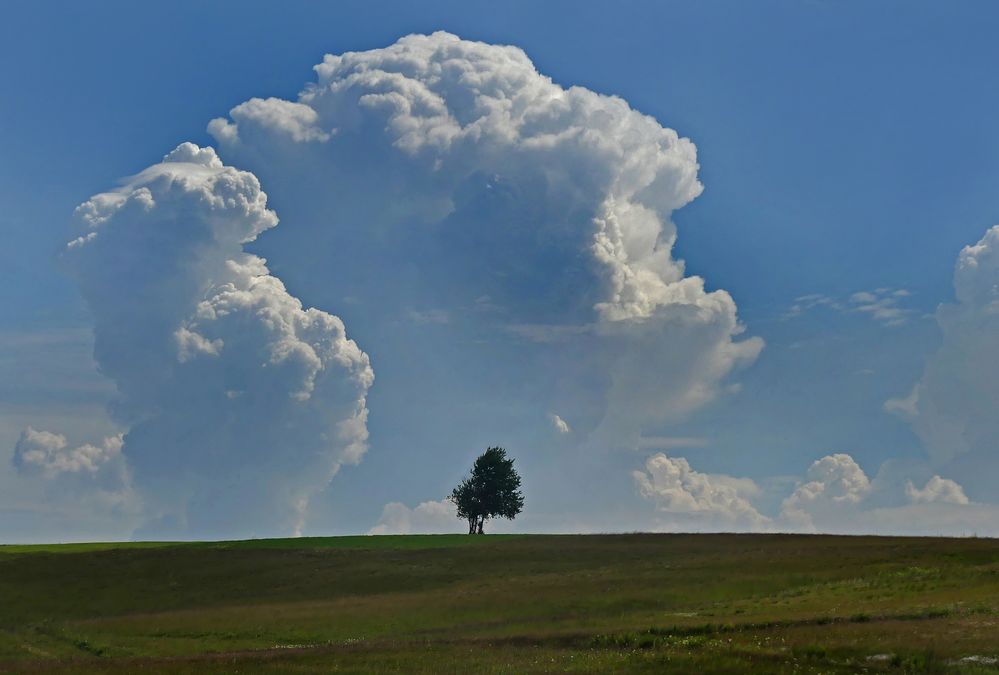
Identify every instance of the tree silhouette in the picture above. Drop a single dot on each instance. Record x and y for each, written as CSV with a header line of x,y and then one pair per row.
x,y
492,490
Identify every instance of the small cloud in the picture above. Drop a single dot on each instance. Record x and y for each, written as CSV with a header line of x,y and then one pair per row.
x,y
863,297
936,490
561,426
484,303
429,316
51,455
907,407
803,303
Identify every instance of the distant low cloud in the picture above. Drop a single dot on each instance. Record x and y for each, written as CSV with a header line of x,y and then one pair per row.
x,y
689,500
937,490
838,497
834,496
834,485
51,455
85,483
430,517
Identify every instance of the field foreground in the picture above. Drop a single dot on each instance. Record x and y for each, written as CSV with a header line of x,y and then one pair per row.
x,y
453,603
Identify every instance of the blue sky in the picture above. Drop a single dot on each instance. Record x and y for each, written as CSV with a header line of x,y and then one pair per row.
x,y
843,148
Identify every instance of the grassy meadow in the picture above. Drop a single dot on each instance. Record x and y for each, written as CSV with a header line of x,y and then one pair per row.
x,y
504,604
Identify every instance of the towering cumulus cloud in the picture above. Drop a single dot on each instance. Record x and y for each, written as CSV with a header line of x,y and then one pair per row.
x,y
953,406
238,403
505,246
475,183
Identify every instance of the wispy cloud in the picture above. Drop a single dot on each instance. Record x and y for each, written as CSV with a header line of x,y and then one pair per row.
x,y
429,316
559,424
881,304
803,303
548,333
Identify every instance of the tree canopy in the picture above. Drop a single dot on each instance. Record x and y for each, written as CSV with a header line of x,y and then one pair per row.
x,y
492,490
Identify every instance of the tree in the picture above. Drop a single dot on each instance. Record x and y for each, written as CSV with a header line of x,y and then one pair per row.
x,y
491,491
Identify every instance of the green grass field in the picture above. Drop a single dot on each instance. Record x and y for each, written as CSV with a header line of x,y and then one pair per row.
x,y
512,604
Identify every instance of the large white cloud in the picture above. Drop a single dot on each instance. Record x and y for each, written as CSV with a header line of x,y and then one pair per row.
x,y
435,174
953,406
468,174
690,500
239,404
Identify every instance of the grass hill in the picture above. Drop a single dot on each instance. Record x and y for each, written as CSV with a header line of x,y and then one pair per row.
x,y
516,604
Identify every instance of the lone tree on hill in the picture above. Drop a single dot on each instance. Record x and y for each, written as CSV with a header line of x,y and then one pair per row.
x,y
492,490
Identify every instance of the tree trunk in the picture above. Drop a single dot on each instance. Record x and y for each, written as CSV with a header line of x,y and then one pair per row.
x,y
482,521
471,524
